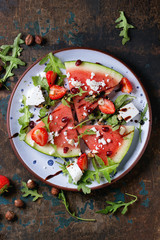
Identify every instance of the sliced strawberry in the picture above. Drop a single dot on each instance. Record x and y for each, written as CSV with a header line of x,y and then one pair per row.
x,y
40,136
108,107
83,162
126,85
57,92
51,78
4,184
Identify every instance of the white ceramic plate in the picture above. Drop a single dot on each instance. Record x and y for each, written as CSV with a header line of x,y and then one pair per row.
x,y
42,165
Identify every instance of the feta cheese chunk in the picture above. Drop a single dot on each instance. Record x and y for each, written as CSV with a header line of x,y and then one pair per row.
x,y
75,172
128,112
34,96
51,137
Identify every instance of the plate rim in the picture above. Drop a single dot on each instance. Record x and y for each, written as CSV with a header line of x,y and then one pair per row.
x,y
74,189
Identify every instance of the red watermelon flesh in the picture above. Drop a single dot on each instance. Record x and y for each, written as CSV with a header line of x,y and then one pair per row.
x,y
109,143
93,79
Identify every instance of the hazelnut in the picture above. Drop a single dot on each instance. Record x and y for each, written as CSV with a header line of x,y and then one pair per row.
x,y
31,184
18,203
54,191
29,40
90,155
10,215
38,39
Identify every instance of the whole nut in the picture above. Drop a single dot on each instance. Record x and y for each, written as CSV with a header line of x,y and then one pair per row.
x,y
31,184
29,40
54,191
10,215
18,203
38,39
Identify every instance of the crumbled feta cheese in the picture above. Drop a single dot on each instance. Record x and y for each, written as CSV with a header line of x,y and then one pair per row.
x,y
95,151
97,148
31,142
108,80
108,140
76,83
119,144
65,133
42,74
106,74
98,134
75,172
92,75
70,127
56,134
103,83
50,137
84,108
51,151
85,87
122,130
128,112
102,140
34,96
68,75
87,151
93,84
94,129
84,114
50,117
56,117
71,142
76,144
90,92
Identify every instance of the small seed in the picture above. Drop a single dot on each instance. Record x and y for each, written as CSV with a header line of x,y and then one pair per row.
x,y
31,124
105,129
65,149
109,153
74,90
38,39
65,119
29,40
54,191
78,62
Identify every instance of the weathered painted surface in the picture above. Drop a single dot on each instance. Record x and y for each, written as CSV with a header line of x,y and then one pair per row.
x,y
89,24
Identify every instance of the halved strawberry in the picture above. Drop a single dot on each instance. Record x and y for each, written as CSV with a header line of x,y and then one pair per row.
x,y
4,184
40,136
51,77
57,92
83,162
126,85
108,107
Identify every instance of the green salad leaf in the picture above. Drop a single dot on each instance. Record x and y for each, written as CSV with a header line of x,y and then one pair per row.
x,y
122,100
24,120
62,197
123,24
39,81
28,192
86,132
142,120
114,206
13,60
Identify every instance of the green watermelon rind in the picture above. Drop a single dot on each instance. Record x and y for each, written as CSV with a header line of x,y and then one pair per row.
x,y
93,67
125,146
49,147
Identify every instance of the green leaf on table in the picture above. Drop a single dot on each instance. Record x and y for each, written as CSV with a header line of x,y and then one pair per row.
x,y
114,206
123,24
26,192
25,119
62,197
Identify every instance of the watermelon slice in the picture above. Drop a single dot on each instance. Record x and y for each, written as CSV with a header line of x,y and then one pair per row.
x,y
108,142
65,137
92,78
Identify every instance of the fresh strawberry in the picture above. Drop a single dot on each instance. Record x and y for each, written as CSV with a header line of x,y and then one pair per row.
x,y
108,107
83,162
126,86
51,78
4,184
57,92
40,136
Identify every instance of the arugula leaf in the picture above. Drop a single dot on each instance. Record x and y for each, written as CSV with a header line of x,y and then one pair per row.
x,y
123,24
91,99
24,120
14,61
62,197
86,132
69,96
82,123
82,186
114,206
28,192
64,102
142,119
42,112
38,81
122,100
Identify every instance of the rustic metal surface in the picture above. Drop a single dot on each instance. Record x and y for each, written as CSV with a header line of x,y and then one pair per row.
x,y
88,24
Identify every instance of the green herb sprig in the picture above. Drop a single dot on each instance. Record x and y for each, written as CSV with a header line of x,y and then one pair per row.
x,y
123,24
62,197
86,132
28,192
114,206
142,118
13,60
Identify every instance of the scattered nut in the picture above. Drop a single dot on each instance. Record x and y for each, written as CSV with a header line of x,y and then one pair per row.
x,y
10,215
90,155
38,39
29,40
119,117
94,151
18,203
122,130
54,191
31,184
